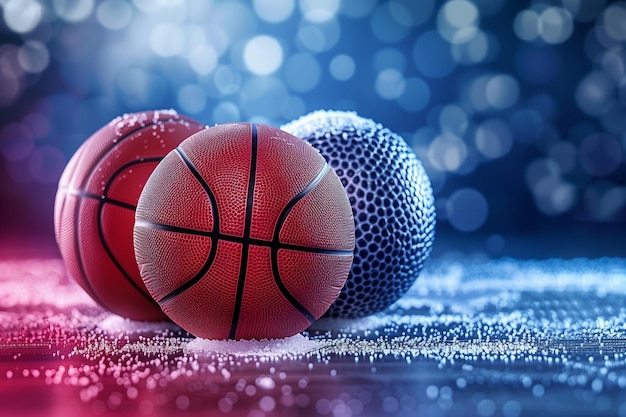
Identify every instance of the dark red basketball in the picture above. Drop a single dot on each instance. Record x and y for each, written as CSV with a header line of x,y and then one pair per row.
x,y
95,205
244,232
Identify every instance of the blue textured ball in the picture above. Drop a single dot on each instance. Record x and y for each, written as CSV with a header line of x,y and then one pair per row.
x,y
392,202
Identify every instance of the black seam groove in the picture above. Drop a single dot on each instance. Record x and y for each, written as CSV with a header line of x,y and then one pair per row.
x,y
214,241
241,240
205,186
103,241
246,233
92,196
79,257
276,240
283,215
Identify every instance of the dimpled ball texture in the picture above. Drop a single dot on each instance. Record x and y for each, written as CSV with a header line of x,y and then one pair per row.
x,y
392,202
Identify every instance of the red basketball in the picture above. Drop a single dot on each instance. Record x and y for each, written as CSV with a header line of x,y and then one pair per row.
x,y
95,205
244,232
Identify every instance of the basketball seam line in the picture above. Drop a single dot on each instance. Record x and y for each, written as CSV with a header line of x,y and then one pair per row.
x,y
103,241
79,255
214,241
203,184
274,252
241,240
92,196
245,248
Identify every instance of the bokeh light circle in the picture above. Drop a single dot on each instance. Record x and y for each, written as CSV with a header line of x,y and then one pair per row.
x,y
390,84
114,14
357,9
274,11
447,152
474,51
73,10
595,94
493,138
555,25
319,37
22,16
453,119
614,19
467,209
33,56
342,67
502,91
457,21
226,112
319,10
227,79
263,55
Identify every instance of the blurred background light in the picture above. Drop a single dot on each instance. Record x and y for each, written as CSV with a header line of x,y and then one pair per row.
x,y
361,8
114,14
457,21
502,91
494,138
467,209
595,94
73,10
390,84
524,101
555,25
319,37
263,55
33,56
342,67
274,11
613,19
319,10
22,16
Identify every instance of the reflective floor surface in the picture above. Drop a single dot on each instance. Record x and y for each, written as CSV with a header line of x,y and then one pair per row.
x,y
471,338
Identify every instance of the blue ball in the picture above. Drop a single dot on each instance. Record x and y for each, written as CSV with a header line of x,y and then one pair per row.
x,y
392,202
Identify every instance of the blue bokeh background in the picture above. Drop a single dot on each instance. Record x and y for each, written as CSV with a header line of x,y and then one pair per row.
x,y
517,109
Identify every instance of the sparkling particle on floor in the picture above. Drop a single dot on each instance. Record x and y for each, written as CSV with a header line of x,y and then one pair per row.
x,y
503,337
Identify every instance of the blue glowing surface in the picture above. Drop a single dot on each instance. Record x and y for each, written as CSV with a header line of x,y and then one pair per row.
x,y
471,338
